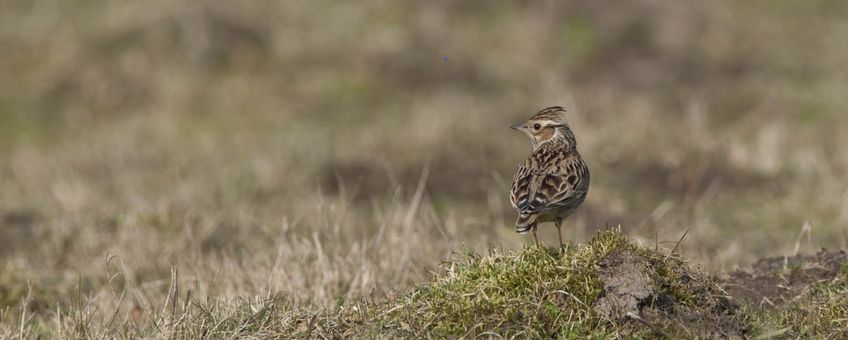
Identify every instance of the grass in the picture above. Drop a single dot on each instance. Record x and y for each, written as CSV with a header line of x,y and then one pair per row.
x,y
286,160
532,292
821,313
817,314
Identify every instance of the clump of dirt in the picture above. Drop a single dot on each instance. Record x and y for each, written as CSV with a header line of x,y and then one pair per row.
x,y
664,297
626,285
771,282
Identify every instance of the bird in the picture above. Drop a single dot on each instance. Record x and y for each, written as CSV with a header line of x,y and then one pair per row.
x,y
553,181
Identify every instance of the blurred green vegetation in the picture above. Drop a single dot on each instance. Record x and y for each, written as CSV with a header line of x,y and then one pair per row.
x,y
16,129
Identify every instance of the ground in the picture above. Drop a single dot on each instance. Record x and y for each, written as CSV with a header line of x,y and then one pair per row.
x,y
607,288
173,168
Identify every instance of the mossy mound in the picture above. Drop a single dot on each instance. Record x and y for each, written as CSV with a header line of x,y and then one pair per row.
x,y
608,286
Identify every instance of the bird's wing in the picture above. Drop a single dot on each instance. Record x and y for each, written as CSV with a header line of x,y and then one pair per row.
x,y
521,182
548,180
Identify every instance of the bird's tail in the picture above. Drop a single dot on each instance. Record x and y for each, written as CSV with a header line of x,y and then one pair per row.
x,y
525,223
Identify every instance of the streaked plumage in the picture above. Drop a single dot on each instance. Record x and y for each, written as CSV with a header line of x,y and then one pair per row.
x,y
554,180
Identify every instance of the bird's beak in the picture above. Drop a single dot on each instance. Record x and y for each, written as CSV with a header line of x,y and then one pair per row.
x,y
518,127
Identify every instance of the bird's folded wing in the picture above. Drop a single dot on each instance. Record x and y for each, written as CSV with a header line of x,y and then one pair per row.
x,y
553,186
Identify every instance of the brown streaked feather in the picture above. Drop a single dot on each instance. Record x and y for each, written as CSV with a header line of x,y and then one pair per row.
x,y
547,178
553,181
552,112
525,223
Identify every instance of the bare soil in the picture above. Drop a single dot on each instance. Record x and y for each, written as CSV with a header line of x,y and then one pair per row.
x,y
772,282
641,298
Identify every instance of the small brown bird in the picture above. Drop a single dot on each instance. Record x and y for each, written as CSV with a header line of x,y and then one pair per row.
x,y
550,184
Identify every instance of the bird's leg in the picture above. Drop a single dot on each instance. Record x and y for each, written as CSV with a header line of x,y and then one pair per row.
x,y
558,224
535,237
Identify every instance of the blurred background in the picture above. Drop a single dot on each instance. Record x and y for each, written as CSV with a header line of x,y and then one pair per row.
x,y
321,149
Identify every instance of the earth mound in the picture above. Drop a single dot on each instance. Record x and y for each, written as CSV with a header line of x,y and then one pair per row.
x,y
607,287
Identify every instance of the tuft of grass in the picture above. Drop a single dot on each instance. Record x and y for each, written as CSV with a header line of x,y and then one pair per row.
x,y
533,292
821,313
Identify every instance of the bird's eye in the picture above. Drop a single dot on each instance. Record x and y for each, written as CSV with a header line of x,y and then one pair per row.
x,y
537,126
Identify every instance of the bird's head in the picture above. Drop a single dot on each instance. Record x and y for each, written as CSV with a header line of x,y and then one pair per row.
x,y
545,125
